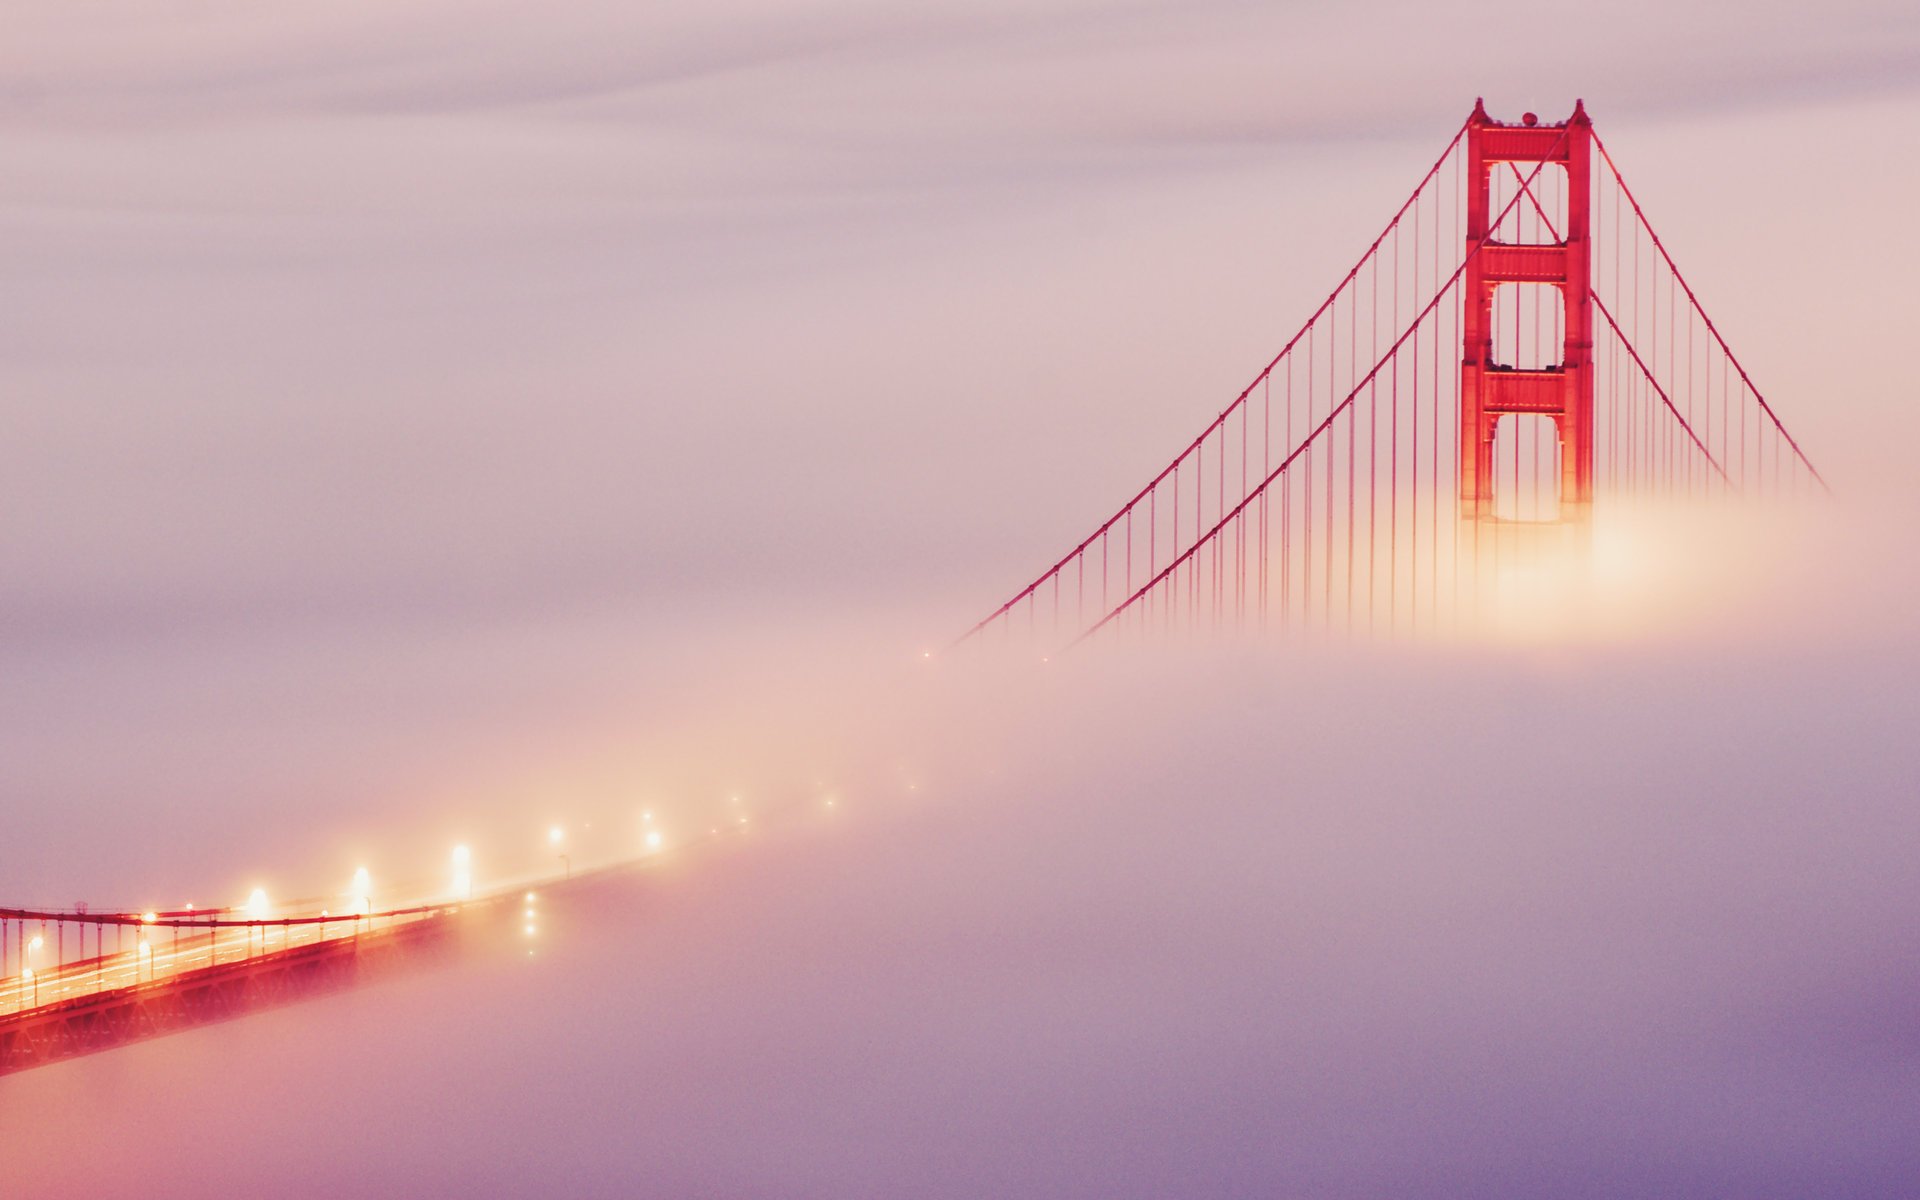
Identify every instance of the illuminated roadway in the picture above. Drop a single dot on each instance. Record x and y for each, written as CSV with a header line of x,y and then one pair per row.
x,y
174,949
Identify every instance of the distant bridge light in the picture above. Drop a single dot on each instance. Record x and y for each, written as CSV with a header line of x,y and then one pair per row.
x,y
257,904
462,873
149,917
653,839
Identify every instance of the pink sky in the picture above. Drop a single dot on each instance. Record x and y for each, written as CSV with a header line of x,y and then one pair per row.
x,y
427,420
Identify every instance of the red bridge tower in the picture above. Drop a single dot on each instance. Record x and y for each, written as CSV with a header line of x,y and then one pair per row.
x,y
1490,390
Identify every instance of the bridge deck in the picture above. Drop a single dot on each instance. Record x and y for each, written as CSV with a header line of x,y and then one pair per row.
x,y
124,1008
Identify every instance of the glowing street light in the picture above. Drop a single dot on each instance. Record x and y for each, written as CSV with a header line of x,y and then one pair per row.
x,y
653,840
361,892
256,910
462,873
26,968
556,838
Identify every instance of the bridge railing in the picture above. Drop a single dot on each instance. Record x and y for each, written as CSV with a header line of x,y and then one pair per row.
x,y
37,970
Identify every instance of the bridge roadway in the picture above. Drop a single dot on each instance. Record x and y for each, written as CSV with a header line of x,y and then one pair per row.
x,y
167,956
219,969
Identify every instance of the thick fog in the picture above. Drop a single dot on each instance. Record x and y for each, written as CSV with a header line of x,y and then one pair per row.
x,y
429,423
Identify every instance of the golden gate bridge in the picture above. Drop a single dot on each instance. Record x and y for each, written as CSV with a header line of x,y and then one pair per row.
x,y
1516,348
1516,351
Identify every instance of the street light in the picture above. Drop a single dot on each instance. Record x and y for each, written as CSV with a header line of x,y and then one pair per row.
x,y
27,971
462,873
556,838
256,911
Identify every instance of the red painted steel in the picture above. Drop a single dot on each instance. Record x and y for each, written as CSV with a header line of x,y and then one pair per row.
x,y
1661,411
123,1015
141,999
1640,218
1149,494
1490,390
1326,424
